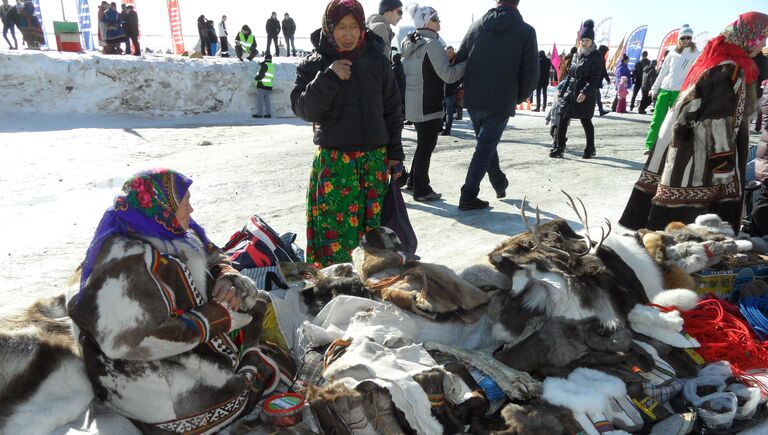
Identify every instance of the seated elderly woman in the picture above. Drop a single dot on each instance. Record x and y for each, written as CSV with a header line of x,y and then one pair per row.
x,y
155,305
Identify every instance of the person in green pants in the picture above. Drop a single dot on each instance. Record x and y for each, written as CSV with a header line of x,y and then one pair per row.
x,y
673,71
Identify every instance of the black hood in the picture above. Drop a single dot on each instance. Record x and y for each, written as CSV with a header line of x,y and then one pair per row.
x,y
501,19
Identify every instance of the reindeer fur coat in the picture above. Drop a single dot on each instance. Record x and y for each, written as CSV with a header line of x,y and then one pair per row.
x,y
155,344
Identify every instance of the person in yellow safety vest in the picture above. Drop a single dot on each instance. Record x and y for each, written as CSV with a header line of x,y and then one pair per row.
x,y
264,88
245,42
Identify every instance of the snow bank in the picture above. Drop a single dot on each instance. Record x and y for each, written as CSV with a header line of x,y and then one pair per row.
x,y
151,85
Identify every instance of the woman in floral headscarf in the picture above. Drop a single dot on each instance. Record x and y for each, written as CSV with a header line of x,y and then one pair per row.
x,y
698,164
349,91
151,314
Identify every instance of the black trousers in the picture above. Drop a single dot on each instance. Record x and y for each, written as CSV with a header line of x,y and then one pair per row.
x,y
645,101
10,28
635,91
541,90
136,46
589,131
290,46
599,101
224,46
269,42
426,140
205,47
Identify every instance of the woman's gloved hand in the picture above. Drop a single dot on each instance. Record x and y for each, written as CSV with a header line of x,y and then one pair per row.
x,y
237,290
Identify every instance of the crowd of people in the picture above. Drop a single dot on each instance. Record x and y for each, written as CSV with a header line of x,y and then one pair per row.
x,y
21,16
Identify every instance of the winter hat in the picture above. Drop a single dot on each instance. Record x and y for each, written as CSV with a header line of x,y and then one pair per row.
x,y
338,9
588,30
388,5
421,14
685,31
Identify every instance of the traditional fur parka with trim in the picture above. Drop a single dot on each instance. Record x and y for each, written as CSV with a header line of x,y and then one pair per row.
x,y
699,162
155,343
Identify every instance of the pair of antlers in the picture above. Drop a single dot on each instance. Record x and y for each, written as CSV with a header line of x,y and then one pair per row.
x,y
583,217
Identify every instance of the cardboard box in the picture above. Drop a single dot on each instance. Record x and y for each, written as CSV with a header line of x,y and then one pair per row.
x,y
725,283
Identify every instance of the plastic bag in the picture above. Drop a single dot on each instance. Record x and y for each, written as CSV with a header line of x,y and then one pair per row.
x,y
394,215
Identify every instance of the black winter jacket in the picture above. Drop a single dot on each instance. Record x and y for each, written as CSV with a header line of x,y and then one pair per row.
x,y
649,78
273,27
132,23
545,65
502,61
359,114
289,27
639,72
584,76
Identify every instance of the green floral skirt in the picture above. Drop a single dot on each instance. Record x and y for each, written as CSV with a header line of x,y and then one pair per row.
x,y
344,200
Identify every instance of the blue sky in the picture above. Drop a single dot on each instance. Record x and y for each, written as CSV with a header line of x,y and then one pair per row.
x,y
554,20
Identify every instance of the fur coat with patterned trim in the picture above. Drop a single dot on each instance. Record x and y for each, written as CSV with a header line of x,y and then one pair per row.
x,y
699,162
155,344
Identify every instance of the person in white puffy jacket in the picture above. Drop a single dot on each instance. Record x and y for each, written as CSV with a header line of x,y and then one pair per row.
x,y
427,70
671,76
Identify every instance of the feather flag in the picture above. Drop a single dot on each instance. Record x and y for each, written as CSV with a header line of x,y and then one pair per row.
x,y
617,55
555,59
635,43
603,32
174,13
669,41
39,16
84,17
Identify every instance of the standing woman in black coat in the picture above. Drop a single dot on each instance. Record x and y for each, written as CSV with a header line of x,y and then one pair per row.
x,y
579,94
545,65
348,89
202,30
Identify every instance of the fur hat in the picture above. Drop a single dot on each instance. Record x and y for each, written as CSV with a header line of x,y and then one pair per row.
x,y
421,14
587,30
388,5
685,31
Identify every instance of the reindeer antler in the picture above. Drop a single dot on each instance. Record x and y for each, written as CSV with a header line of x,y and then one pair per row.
x,y
585,222
537,243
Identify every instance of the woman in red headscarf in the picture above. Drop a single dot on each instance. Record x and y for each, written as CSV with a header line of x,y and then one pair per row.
x,y
349,91
698,164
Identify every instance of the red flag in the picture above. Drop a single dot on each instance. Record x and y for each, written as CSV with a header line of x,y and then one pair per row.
x,y
555,58
130,3
668,42
174,13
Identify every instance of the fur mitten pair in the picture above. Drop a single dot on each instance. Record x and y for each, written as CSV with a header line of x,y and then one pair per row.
x,y
694,257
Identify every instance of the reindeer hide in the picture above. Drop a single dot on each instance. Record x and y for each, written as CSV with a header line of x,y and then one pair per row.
x,y
43,384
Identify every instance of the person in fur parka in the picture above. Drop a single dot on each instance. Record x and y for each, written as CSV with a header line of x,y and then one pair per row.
x,y
153,310
699,162
579,92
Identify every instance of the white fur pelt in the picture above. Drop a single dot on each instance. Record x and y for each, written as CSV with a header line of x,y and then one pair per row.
x,y
683,299
637,258
43,384
665,327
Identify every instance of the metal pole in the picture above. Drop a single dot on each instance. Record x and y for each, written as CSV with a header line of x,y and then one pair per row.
x,y
63,15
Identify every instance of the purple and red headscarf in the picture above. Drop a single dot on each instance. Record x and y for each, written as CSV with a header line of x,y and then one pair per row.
x,y
335,12
146,207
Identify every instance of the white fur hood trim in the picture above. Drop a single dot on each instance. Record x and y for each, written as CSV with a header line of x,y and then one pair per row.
x,y
562,392
605,384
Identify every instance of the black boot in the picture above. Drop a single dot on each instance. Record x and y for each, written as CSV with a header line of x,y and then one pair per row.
x,y
557,151
589,152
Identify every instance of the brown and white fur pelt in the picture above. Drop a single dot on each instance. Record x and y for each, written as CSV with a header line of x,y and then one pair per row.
x,y
431,290
606,285
43,384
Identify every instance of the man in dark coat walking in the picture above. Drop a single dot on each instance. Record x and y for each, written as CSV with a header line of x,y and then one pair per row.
x,y
273,31
132,29
637,77
289,29
545,65
502,71
649,78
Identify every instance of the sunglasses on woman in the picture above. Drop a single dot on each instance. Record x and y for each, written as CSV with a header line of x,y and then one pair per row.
x,y
685,38
435,19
